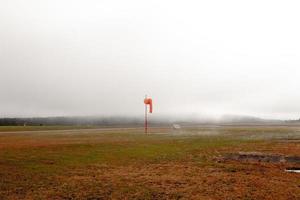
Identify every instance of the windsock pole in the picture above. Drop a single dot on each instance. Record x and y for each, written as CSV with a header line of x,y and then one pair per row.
x,y
146,117
147,101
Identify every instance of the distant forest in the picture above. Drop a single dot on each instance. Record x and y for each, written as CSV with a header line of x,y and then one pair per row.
x,y
66,121
131,121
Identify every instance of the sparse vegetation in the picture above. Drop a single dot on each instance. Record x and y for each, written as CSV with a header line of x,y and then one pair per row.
x,y
127,164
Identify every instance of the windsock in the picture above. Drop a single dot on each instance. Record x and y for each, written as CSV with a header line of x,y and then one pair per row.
x,y
148,101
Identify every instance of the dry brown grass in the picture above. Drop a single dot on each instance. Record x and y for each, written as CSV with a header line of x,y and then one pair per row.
x,y
125,164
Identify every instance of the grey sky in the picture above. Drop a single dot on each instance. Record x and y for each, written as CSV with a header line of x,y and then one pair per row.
x,y
63,57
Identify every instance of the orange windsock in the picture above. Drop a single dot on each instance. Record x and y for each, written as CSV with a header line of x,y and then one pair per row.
x,y
148,101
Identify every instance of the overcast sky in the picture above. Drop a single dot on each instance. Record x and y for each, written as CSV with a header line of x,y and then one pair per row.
x,y
93,57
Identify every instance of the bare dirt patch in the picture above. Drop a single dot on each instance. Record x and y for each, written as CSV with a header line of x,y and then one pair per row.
x,y
260,157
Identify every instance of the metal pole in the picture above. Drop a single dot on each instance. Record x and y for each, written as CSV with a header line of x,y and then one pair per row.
x,y
146,118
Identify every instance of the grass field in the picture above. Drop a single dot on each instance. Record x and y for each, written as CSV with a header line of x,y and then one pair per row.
x,y
115,163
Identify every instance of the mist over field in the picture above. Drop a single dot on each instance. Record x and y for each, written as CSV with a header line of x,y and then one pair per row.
x,y
196,59
79,80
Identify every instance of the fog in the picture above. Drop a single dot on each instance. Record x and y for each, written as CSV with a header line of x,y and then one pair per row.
x,y
194,58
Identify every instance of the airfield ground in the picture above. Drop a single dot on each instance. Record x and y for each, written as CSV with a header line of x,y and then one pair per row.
x,y
115,163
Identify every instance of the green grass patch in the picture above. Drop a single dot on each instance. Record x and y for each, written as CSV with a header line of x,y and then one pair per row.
x,y
139,149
